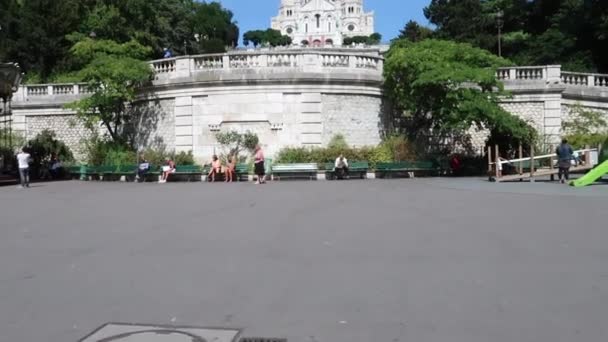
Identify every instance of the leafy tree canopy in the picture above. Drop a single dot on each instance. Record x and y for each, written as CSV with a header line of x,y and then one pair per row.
x,y
38,34
113,74
269,37
373,39
414,32
573,33
444,87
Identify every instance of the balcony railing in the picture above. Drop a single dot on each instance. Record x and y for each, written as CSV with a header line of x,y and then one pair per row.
x,y
553,74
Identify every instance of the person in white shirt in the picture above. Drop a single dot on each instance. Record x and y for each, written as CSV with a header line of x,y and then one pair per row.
x,y
23,159
341,167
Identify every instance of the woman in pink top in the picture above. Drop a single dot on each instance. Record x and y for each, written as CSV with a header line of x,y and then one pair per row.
x,y
259,165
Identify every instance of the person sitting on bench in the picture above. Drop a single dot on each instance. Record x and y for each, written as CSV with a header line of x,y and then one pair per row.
x,y
142,169
341,167
216,168
230,169
167,169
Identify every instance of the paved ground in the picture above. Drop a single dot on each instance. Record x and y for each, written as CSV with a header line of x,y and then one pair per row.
x,y
396,261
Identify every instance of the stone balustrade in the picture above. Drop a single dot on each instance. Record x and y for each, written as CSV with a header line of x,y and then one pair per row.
x,y
299,60
552,74
43,92
323,62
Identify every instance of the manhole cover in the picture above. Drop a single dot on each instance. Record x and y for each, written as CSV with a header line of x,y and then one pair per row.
x,y
123,332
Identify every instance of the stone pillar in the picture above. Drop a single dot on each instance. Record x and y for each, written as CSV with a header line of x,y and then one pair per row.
x,y
310,120
183,124
182,67
553,118
20,94
311,62
553,74
226,61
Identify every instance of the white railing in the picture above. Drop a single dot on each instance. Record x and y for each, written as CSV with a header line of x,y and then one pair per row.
x,y
367,63
552,74
600,80
38,90
577,79
184,66
282,60
335,61
164,66
208,62
529,73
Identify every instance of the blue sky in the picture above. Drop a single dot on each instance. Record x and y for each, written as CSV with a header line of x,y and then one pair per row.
x,y
391,15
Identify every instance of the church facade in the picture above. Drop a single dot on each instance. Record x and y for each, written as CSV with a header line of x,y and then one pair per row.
x,y
323,22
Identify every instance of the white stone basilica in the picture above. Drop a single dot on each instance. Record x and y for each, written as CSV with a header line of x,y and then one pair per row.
x,y
323,22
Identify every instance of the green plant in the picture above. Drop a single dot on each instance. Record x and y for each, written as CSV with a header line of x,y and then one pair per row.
x,y
586,127
101,151
337,142
45,145
184,158
443,88
399,148
233,143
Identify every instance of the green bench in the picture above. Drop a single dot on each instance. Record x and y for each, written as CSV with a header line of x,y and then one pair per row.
x,y
294,170
354,168
188,172
388,170
241,170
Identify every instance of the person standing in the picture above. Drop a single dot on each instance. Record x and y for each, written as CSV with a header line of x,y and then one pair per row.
x,y
259,165
23,159
565,155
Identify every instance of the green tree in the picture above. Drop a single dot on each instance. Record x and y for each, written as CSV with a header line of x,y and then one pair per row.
x,y
443,88
234,142
414,32
255,37
373,39
567,32
269,37
113,72
34,33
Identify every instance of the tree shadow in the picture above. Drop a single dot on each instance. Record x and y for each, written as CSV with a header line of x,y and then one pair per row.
x,y
143,124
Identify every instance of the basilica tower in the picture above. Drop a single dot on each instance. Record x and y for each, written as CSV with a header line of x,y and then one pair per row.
x,y
323,22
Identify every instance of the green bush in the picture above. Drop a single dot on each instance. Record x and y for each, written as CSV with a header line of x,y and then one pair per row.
x,y
184,158
44,146
586,127
395,148
105,152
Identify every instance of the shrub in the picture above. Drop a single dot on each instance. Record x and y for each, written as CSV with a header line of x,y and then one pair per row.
x,y
44,146
184,158
105,152
586,127
399,148
337,142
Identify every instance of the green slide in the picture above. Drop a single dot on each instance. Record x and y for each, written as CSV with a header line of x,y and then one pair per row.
x,y
591,176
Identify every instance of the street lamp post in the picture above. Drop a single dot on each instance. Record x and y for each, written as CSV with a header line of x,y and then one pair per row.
x,y
500,23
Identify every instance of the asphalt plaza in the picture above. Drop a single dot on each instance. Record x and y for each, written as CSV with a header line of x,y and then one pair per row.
x,y
384,260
